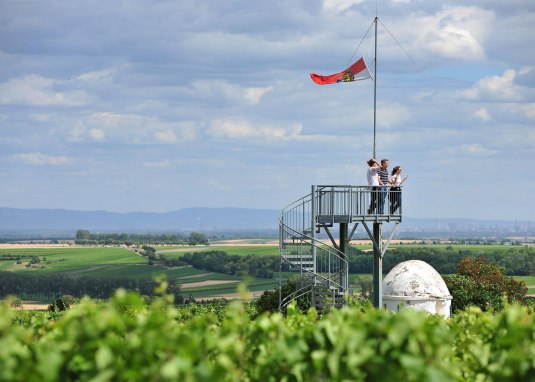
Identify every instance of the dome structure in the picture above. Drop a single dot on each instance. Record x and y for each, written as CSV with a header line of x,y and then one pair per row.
x,y
417,285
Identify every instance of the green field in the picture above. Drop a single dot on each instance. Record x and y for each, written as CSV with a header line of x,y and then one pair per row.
x,y
260,250
113,262
69,259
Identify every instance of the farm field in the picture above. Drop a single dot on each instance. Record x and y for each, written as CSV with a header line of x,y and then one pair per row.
x,y
111,262
114,262
68,258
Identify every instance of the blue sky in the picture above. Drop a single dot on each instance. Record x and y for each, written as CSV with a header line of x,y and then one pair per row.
x,y
157,106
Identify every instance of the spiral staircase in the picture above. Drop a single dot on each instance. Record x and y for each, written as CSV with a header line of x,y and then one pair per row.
x,y
322,264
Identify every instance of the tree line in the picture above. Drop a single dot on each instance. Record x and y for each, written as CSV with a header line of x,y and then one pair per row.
x,y
84,237
222,262
49,287
517,260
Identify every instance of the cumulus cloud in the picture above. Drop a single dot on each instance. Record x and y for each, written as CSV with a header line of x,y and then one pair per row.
x,y
498,88
242,129
130,129
218,89
35,90
40,159
482,114
455,32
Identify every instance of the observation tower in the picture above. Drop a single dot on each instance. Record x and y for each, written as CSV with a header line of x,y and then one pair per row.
x,y
323,265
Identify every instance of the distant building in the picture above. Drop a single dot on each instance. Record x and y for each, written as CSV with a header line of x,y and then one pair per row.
x,y
416,285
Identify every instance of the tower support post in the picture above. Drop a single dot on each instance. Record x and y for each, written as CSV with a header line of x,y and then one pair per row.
x,y
377,266
344,244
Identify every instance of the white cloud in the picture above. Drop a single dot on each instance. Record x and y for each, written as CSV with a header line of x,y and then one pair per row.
x,y
97,75
40,159
165,136
456,32
131,129
223,89
242,129
253,95
35,90
339,5
472,149
482,114
97,134
497,88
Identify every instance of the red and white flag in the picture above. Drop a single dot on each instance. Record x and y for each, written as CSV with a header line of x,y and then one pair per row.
x,y
356,72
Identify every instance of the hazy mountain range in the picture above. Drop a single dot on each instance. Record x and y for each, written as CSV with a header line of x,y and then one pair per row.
x,y
15,219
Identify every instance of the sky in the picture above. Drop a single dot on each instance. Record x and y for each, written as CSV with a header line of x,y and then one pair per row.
x,y
162,105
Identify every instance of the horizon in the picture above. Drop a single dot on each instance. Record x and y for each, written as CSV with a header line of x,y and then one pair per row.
x,y
527,221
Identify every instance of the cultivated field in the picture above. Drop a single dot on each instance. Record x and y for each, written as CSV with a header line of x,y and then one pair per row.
x,y
115,262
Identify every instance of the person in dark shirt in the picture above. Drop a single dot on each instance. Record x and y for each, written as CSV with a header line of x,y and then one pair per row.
x,y
385,182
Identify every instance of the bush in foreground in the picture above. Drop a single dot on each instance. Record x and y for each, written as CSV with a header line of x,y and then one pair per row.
x,y
127,340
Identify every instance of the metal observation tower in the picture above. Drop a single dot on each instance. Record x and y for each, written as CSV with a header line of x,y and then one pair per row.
x,y
323,264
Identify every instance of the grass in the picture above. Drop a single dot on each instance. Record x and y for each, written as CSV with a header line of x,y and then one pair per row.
x,y
69,259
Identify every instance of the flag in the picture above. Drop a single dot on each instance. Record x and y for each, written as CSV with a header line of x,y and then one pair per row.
x,y
356,72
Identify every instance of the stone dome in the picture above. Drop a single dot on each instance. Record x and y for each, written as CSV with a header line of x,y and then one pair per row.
x,y
414,284
415,278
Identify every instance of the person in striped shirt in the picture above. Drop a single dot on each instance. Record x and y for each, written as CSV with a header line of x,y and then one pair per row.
x,y
384,179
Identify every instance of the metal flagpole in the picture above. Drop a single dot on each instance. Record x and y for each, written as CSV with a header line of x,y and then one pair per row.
x,y
375,90
377,234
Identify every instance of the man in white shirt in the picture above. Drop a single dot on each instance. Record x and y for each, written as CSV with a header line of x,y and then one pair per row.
x,y
375,182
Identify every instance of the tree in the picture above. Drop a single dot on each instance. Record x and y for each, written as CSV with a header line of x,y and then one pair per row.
x,y
82,236
197,238
483,284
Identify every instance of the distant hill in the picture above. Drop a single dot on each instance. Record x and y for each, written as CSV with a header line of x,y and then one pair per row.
x,y
15,219
204,219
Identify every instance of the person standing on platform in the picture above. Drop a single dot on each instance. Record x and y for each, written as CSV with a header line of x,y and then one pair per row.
x,y
395,190
384,181
375,182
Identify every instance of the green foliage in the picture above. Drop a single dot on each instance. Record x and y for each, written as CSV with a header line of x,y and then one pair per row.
x,y
84,237
483,284
126,340
197,238
516,260
269,300
220,261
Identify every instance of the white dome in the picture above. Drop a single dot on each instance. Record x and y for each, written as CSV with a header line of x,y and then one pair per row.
x,y
415,278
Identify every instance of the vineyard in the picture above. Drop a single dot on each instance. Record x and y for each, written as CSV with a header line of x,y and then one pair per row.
x,y
128,339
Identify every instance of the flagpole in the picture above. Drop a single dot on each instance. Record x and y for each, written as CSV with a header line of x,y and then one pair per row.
x,y
375,90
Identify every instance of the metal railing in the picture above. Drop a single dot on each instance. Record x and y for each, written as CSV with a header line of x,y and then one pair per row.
x,y
346,204
300,250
